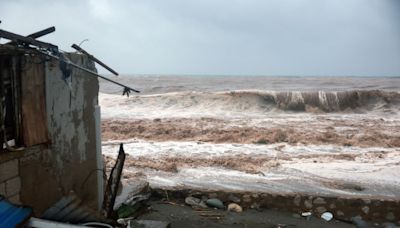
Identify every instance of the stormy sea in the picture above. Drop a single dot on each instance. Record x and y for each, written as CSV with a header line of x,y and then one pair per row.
x,y
334,135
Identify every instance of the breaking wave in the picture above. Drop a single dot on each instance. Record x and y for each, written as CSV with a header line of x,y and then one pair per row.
x,y
268,101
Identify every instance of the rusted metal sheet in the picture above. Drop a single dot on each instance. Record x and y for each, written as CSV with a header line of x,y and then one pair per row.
x,y
34,118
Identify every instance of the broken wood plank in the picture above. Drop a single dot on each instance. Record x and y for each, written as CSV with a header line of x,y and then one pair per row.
x,y
34,117
113,182
26,40
37,34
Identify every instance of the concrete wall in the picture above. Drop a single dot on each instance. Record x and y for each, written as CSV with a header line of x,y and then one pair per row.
x,y
45,173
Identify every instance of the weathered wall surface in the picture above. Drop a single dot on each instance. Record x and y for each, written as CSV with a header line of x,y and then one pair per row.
x,y
68,162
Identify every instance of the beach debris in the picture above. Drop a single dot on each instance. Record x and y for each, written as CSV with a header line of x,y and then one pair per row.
x,y
126,210
233,198
295,215
365,209
235,207
113,182
327,216
215,203
192,201
308,204
307,215
320,210
319,201
137,199
389,225
390,216
255,205
209,214
148,224
359,222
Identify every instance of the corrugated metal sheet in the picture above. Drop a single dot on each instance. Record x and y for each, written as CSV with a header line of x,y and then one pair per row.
x,y
72,210
11,215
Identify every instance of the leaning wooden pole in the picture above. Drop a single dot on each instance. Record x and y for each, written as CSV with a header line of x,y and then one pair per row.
x,y
81,50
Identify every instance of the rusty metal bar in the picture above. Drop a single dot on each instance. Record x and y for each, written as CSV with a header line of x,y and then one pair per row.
x,y
126,91
76,47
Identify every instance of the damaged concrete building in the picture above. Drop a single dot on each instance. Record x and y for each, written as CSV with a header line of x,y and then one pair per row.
x,y
50,130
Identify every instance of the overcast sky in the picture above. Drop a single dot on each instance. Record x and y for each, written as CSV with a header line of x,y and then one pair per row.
x,y
239,37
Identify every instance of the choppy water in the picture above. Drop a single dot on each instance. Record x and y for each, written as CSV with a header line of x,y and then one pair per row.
x,y
257,94
155,84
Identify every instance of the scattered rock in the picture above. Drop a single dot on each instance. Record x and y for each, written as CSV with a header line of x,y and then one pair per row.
x,y
213,195
149,224
246,198
233,198
332,206
255,206
390,216
320,210
216,203
365,209
389,225
192,201
367,201
255,195
358,222
235,207
296,215
327,216
339,213
297,200
319,201
308,204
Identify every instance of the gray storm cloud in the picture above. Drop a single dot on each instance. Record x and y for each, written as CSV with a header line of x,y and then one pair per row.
x,y
239,37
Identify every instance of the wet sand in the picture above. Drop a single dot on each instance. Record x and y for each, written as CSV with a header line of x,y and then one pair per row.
x,y
184,216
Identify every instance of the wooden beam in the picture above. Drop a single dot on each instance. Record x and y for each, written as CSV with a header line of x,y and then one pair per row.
x,y
26,40
37,34
76,47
